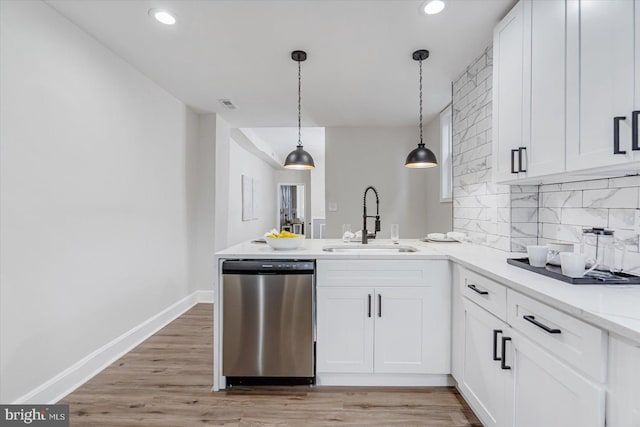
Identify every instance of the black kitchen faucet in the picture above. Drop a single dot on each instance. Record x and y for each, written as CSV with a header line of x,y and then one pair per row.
x,y
365,235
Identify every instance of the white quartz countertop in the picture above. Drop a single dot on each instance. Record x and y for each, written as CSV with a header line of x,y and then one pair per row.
x,y
615,308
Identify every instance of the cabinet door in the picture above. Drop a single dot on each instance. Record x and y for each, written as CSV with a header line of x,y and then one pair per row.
x,y
412,330
507,93
623,378
636,102
544,88
547,392
457,323
483,382
600,79
344,330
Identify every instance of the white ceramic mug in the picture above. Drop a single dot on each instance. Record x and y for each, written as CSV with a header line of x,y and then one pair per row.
x,y
573,264
554,251
537,255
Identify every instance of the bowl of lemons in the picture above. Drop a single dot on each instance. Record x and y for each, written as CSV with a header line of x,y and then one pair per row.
x,y
284,240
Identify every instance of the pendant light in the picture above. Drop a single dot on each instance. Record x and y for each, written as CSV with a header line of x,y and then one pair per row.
x,y
298,158
421,157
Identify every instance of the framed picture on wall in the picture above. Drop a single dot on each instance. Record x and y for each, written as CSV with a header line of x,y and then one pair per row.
x,y
249,198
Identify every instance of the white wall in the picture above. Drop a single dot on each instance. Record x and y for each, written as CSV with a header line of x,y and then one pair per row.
x,y
93,208
241,163
222,137
317,181
439,215
359,157
201,194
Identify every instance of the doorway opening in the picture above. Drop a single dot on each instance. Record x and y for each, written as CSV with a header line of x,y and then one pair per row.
x,y
291,213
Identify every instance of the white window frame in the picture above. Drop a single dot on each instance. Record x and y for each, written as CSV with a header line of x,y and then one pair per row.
x,y
446,154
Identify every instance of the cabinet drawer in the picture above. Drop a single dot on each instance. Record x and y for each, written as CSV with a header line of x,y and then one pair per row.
x,y
488,294
577,343
382,273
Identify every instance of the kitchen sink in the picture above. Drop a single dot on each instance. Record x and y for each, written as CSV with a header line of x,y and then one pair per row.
x,y
369,248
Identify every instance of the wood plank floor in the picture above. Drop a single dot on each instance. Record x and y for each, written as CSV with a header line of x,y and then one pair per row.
x,y
166,381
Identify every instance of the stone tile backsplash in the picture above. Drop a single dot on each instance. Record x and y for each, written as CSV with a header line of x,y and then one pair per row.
x,y
475,197
512,217
499,216
614,203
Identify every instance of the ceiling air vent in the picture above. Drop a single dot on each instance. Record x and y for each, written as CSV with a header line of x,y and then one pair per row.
x,y
228,104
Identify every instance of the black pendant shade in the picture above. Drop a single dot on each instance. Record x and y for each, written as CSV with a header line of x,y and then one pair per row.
x,y
299,159
421,157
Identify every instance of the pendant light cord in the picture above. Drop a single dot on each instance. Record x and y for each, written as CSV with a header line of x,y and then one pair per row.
x,y
421,143
299,99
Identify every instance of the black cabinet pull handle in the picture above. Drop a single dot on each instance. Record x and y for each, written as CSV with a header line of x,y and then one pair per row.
x,y
520,150
495,343
379,305
533,320
475,289
616,135
369,305
503,364
634,130
513,161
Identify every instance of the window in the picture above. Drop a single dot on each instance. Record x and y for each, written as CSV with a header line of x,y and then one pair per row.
x,y
446,175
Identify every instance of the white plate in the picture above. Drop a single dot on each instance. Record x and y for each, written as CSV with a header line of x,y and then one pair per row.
x,y
446,239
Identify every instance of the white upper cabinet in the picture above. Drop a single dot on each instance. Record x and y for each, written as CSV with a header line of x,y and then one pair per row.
x,y
635,121
544,87
601,78
566,86
529,91
508,42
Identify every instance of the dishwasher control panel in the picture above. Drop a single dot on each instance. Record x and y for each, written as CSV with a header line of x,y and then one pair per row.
x,y
267,266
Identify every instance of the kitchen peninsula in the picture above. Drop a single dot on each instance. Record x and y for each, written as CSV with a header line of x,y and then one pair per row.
x,y
490,323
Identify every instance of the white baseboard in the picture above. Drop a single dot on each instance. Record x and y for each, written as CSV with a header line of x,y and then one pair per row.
x,y
384,380
82,371
205,296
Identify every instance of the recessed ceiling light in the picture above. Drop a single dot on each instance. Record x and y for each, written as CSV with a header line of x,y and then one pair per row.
x,y
163,16
434,6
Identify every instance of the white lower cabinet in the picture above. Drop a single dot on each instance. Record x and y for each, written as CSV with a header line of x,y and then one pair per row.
x,y
345,330
518,362
536,367
543,391
483,383
385,329
623,385
406,330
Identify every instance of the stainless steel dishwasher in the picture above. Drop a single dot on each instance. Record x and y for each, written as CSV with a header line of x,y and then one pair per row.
x,y
268,314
